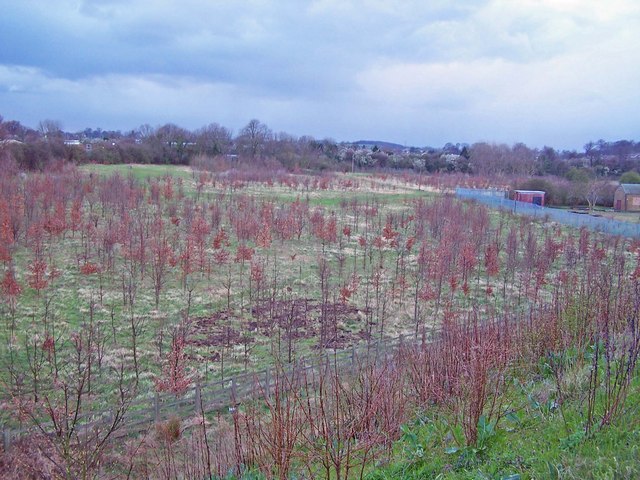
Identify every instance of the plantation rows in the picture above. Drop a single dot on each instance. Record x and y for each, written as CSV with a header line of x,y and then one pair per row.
x,y
114,287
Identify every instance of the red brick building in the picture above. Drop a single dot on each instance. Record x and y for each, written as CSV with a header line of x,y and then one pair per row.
x,y
627,197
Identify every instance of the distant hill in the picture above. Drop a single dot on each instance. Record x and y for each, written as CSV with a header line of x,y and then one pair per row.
x,y
381,145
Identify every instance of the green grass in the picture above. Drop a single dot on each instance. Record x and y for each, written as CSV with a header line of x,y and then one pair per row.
x,y
333,201
139,172
533,442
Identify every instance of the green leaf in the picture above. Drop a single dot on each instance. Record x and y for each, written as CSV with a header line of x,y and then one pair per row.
x,y
513,417
409,435
554,473
572,440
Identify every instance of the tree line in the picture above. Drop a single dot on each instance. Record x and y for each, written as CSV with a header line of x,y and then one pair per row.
x,y
256,143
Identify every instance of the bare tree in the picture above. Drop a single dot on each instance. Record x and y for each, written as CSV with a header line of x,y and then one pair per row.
x,y
213,139
595,191
253,137
50,128
72,435
146,130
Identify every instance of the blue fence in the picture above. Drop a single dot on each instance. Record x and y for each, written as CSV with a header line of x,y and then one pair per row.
x,y
496,199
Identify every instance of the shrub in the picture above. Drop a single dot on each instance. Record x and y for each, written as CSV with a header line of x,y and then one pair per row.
x,y
630,177
170,430
553,194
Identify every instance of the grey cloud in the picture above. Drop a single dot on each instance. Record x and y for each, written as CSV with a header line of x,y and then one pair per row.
x,y
408,70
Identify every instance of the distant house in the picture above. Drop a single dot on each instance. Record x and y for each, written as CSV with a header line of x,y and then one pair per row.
x,y
627,197
529,196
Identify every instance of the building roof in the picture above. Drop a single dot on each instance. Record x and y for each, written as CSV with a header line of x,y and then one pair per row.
x,y
537,192
631,188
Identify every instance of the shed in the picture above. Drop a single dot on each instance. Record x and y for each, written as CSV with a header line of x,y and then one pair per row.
x,y
627,197
529,196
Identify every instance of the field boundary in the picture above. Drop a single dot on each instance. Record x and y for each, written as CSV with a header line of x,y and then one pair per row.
x,y
578,220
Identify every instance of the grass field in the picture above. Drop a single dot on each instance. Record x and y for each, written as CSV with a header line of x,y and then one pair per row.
x,y
139,171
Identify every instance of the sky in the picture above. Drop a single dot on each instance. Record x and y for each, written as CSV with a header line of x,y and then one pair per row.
x,y
424,72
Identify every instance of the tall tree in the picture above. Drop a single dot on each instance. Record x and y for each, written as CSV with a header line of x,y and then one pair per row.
x,y
50,128
253,138
213,139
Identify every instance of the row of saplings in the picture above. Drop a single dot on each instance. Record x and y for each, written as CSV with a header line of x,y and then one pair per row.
x,y
337,423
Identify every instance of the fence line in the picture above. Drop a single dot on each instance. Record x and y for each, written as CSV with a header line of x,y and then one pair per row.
x,y
145,410
578,220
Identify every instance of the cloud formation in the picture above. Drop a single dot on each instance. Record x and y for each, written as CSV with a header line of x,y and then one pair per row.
x,y
557,72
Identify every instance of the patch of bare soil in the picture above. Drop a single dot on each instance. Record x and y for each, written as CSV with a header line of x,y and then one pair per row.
x,y
296,318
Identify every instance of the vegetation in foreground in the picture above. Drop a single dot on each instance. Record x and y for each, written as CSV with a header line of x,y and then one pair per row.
x,y
538,439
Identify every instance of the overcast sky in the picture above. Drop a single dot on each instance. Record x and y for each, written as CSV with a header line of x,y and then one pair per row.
x,y
424,72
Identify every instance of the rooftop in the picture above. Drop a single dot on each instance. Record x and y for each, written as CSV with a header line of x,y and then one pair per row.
x,y
631,188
